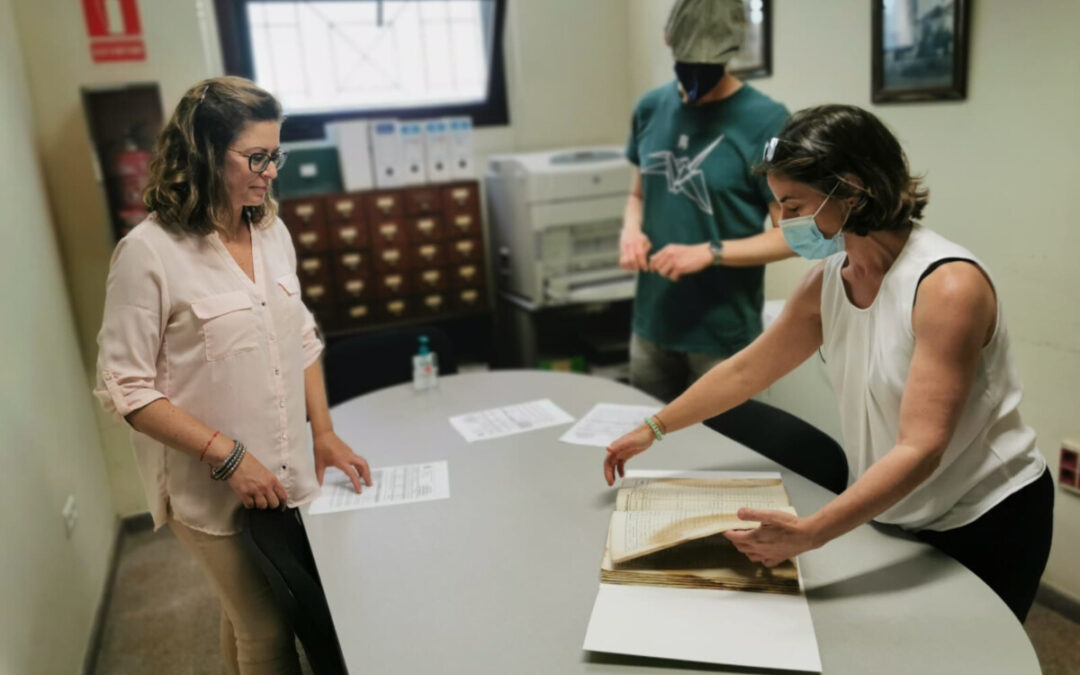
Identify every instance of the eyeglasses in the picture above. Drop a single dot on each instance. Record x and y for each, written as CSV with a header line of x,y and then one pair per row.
x,y
260,161
770,149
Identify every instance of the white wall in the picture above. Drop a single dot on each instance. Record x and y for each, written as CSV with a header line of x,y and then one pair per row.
x,y
49,448
1001,167
56,52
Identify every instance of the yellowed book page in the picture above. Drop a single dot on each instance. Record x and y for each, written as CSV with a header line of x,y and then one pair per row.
x,y
633,534
710,562
714,496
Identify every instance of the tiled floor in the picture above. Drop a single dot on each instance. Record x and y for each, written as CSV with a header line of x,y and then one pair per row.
x,y
162,617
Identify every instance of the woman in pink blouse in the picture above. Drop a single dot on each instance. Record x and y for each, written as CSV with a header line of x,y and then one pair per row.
x,y
208,352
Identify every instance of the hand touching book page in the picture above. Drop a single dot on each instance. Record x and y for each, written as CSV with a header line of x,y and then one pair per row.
x,y
667,532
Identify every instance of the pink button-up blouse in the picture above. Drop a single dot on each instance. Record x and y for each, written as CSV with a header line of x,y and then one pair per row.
x,y
182,321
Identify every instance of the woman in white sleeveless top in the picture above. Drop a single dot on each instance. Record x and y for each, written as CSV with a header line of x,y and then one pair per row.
x,y
914,340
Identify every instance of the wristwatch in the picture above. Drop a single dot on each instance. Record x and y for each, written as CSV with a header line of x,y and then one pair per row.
x,y
716,247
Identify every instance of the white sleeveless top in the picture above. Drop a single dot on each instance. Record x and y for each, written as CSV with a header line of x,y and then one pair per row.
x,y
868,353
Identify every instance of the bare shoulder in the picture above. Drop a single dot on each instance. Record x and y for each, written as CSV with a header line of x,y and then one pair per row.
x,y
806,298
956,297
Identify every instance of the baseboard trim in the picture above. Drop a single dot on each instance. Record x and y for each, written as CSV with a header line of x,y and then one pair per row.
x,y
140,522
93,645
1059,601
124,526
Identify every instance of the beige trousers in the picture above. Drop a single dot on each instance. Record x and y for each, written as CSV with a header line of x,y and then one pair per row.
x,y
256,638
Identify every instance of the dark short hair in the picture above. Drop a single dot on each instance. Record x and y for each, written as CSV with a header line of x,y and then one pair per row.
x,y
819,145
186,191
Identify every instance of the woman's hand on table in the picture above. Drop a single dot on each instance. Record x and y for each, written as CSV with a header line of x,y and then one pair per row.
x,y
781,536
332,451
623,448
256,486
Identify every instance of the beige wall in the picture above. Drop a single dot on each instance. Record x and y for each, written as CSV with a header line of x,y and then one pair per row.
x,y
1001,167
568,73
57,58
49,448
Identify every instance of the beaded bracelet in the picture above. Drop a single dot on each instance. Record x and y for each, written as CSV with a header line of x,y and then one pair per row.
x,y
655,429
228,467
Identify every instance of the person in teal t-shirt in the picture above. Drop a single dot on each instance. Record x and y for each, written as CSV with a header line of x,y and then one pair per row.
x,y
693,224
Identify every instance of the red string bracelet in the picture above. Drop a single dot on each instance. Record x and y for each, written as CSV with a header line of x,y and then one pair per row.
x,y
203,453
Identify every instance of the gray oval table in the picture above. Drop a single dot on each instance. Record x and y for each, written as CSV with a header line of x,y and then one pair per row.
x,y
501,577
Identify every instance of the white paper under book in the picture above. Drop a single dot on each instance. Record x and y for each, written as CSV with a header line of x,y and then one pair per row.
x,y
673,587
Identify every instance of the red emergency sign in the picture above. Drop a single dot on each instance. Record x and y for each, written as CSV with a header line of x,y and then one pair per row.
x,y
115,30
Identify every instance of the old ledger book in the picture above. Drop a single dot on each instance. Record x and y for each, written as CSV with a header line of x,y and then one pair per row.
x,y
668,532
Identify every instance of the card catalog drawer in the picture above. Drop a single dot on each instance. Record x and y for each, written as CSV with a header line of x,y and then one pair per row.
x,y
392,285
469,299
303,214
354,289
462,224
382,205
349,235
465,250
313,269
350,264
356,314
430,280
460,197
465,275
419,201
387,232
425,229
428,255
394,309
345,209
432,303
318,297
390,258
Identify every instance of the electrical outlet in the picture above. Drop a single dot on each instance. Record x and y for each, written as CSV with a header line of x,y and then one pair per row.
x,y
70,514
1069,467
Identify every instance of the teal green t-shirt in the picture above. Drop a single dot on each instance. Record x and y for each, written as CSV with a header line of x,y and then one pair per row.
x,y
696,168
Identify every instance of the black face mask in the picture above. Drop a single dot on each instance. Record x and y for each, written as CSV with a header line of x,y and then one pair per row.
x,y
698,79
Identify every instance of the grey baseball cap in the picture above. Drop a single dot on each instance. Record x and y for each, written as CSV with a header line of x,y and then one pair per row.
x,y
706,31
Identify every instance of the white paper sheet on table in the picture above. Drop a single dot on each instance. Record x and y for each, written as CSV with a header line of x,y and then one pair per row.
x,y
738,628
402,484
508,420
606,422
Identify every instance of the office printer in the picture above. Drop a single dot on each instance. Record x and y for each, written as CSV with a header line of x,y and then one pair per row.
x,y
556,220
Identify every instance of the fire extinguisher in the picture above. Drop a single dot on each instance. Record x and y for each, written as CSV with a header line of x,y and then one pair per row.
x,y
131,166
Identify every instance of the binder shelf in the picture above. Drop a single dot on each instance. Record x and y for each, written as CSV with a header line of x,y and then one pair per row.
x,y
384,256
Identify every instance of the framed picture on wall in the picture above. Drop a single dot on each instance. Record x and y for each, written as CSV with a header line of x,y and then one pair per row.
x,y
755,57
919,50
123,121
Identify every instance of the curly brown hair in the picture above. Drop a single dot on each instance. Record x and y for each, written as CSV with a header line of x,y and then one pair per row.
x,y
186,192
818,146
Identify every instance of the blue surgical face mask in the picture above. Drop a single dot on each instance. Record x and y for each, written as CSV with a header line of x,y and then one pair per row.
x,y
804,237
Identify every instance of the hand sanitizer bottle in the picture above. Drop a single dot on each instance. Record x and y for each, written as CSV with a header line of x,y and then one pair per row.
x,y
425,367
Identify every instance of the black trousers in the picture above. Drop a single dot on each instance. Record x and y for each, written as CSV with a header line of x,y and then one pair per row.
x,y
1007,546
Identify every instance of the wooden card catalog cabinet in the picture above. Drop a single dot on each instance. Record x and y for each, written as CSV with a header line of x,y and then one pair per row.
x,y
380,256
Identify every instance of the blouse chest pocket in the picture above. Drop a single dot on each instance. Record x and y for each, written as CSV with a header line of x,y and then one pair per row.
x,y
228,324
288,287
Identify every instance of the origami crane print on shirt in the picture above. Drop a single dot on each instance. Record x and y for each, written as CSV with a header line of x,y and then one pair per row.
x,y
684,175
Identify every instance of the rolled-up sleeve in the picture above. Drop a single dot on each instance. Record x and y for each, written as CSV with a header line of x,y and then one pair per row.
x,y
132,327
